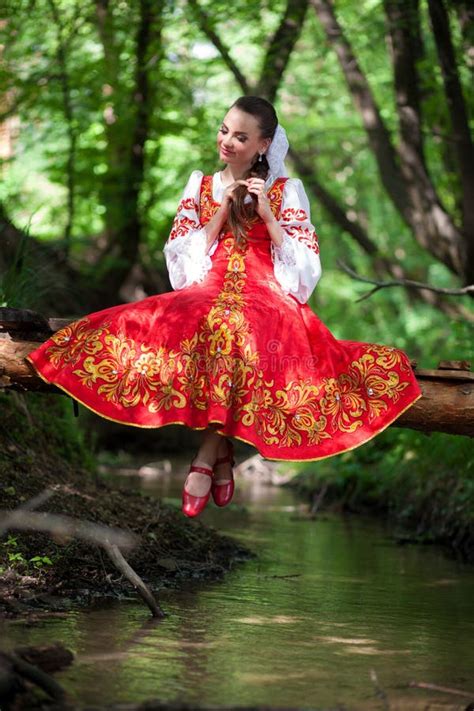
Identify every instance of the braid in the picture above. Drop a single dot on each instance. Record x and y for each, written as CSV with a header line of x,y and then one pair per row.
x,y
239,211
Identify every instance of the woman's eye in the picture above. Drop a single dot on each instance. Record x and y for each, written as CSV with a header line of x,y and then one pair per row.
x,y
242,139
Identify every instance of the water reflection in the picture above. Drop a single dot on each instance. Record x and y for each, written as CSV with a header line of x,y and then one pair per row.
x,y
327,606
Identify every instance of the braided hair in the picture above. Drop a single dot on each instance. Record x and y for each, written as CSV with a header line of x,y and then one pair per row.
x,y
239,211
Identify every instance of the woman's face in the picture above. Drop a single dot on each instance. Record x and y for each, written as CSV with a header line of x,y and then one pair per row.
x,y
238,140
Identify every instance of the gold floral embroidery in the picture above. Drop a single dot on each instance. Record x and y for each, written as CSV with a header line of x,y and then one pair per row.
x,y
389,357
70,342
132,374
360,390
280,418
221,342
207,205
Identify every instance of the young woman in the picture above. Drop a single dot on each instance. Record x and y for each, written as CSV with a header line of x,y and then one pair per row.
x,y
234,349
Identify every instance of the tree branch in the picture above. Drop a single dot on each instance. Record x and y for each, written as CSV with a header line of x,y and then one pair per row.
x,y
206,25
408,283
280,48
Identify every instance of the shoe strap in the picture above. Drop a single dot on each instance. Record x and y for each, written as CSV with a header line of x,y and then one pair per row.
x,y
203,470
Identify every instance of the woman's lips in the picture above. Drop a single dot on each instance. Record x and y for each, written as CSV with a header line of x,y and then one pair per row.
x,y
227,153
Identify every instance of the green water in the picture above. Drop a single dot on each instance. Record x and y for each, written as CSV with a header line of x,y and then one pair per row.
x,y
331,613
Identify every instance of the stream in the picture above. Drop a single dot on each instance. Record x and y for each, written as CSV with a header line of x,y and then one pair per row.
x,y
331,614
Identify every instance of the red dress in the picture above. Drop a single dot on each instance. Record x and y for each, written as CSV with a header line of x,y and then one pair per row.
x,y
235,350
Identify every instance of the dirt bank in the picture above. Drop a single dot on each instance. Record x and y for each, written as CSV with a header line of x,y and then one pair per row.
x,y
41,446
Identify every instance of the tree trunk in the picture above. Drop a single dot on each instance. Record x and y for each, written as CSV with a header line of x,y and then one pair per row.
x,y
127,123
402,170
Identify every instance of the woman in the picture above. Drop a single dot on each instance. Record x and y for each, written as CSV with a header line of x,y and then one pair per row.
x,y
234,349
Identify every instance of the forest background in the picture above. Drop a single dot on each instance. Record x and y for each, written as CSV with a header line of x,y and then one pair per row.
x,y
107,106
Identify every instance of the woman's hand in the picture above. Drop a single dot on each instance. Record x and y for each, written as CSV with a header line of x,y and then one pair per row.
x,y
228,195
257,187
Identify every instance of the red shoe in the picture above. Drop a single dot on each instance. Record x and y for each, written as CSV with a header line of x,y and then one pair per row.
x,y
193,505
222,493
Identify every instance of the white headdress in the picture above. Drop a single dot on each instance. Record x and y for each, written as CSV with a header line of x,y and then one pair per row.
x,y
276,153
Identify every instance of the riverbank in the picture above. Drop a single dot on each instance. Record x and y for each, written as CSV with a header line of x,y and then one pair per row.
x,y
423,485
42,446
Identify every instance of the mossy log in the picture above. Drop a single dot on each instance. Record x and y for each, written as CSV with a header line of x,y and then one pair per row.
x,y
447,404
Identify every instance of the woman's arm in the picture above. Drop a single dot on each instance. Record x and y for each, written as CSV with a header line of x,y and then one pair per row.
x,y
295,247
213,227
276,232
189,247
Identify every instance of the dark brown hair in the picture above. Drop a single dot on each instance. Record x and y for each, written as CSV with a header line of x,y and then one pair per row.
x,y
240,212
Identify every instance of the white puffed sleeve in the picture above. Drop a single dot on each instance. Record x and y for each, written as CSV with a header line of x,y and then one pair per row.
x,y
296,262
185,249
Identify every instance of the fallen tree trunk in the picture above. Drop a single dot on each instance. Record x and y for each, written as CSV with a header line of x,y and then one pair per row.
x,y
447,404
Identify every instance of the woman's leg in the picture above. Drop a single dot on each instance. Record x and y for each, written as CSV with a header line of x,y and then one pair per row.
x,y
223,471
213,446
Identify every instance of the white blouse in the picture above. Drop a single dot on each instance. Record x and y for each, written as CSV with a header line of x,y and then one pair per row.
x,y
296,262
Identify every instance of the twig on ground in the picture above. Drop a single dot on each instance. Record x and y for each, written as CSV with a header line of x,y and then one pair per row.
x,y
444,689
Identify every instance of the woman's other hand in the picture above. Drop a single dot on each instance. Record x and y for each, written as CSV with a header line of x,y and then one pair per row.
x,y
257,187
